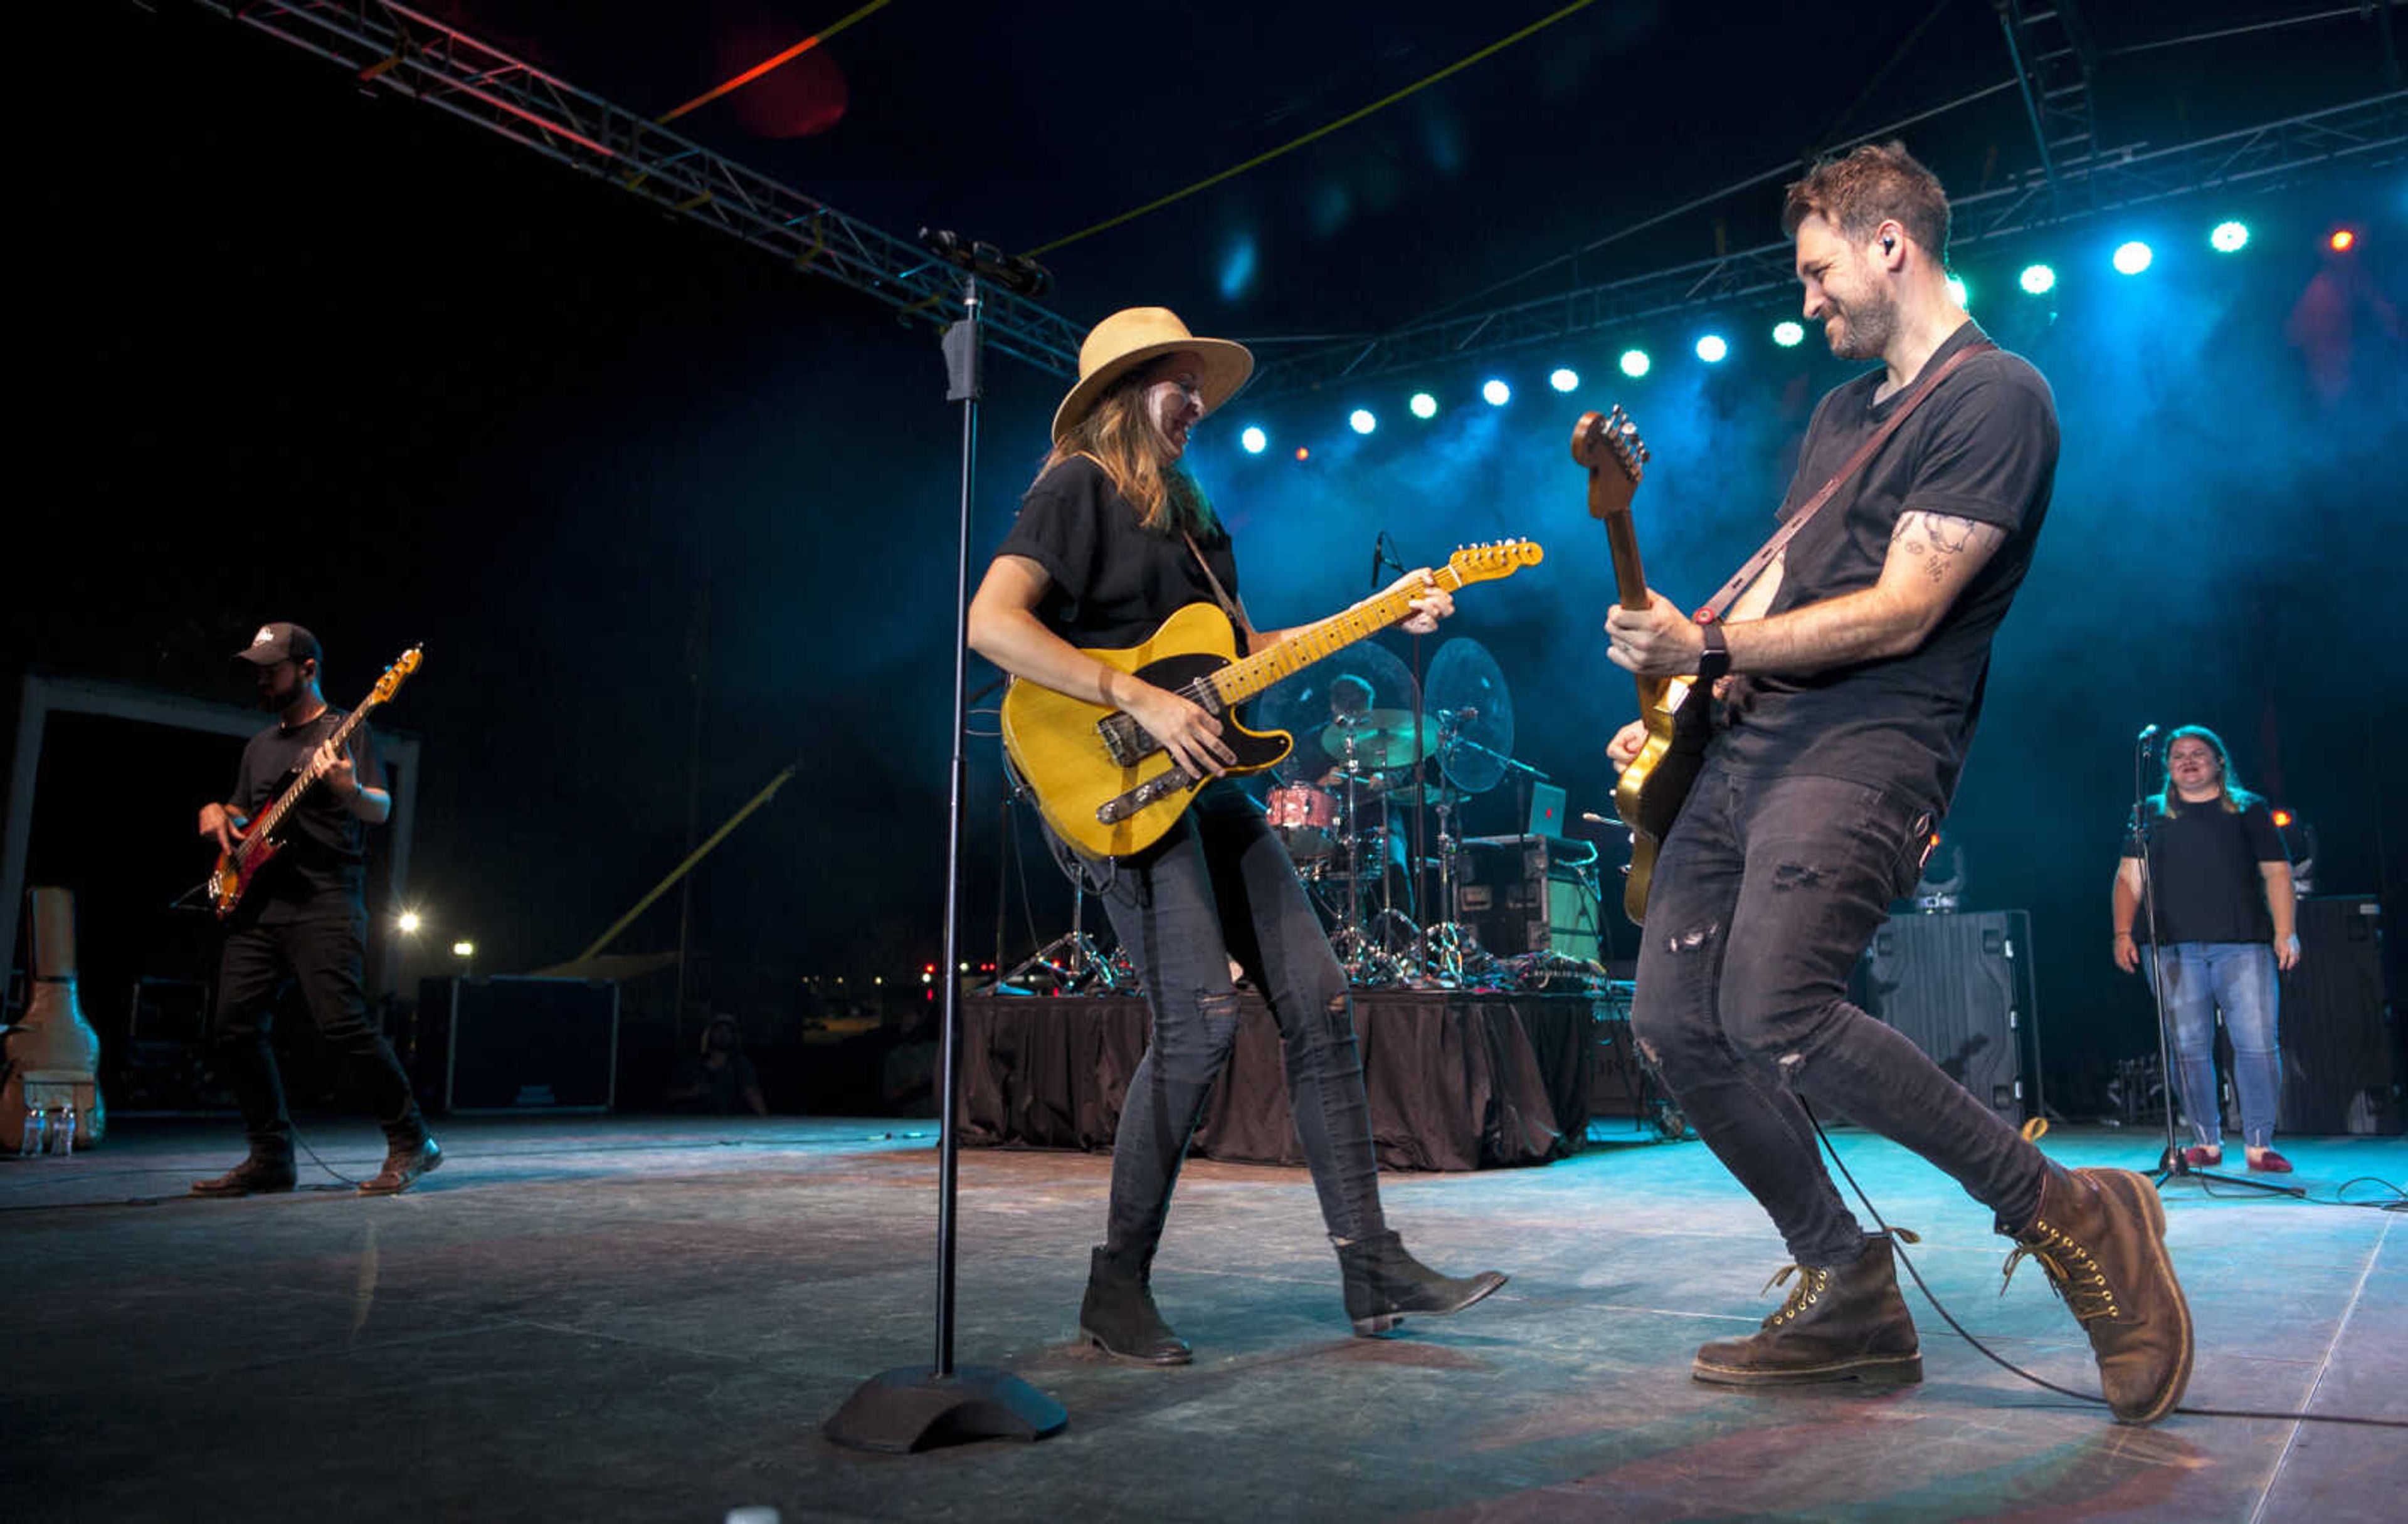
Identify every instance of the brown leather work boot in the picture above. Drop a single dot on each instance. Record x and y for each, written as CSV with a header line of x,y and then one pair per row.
x,y
261,1174
1841,1323
403,1165
2100,1236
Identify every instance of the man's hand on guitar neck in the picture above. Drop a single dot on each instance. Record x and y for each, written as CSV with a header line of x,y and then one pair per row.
x,y
1658,641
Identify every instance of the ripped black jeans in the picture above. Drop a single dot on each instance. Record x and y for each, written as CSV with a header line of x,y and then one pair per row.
x,y
1221,886
1765,894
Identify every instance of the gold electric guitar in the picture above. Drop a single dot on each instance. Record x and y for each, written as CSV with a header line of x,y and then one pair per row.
x,y
1649,795
261,840
1108,788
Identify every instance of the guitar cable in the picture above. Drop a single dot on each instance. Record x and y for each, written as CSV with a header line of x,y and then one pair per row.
x,y
2032,1132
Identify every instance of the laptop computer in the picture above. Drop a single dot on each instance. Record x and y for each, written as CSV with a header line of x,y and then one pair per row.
x,y
1546,811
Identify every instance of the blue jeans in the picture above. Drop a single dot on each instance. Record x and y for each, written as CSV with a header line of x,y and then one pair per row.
x,y
1221,886
1765,895
2238,978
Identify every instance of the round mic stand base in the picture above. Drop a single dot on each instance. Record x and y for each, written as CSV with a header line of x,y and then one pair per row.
x,y
913,1408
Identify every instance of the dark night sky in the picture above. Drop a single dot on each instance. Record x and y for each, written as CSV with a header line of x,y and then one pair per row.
x,y
305,353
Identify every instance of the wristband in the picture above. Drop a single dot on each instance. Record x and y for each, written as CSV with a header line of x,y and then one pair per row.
x,y
1714,663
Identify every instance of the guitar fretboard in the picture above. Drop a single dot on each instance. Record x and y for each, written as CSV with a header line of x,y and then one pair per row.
x,y
1242,681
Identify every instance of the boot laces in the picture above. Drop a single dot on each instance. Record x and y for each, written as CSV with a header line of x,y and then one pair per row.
x,y
1813,1280
2072,1272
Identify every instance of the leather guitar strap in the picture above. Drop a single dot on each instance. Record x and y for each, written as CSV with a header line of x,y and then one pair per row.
x,y
1716,606
1236,610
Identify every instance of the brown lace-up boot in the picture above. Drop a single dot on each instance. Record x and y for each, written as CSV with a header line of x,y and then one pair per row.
x,y
1841,1323
2100,1236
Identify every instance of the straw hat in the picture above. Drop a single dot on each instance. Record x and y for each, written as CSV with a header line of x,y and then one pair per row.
x,y
1133,335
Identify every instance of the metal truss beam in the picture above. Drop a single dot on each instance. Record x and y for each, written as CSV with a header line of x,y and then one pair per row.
x,y
2051,54
2269,157
393,48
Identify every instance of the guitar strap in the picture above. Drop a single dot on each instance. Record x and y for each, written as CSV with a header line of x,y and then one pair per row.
x,y
1236,610
1721,602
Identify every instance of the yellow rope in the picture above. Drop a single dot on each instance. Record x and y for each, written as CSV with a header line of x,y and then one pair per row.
x,y
1346,121
762,67
683,868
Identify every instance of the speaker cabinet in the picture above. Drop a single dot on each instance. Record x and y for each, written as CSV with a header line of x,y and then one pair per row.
x,y
516,1045
1519,894
2343,1069
1959,988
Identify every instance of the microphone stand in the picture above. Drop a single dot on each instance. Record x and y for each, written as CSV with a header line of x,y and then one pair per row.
x,y
2171,1162
909,1407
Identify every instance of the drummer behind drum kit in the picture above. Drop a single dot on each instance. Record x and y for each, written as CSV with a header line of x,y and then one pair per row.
x,y
1347,800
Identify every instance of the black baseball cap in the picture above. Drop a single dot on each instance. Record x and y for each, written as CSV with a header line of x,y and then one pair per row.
x,y
279,642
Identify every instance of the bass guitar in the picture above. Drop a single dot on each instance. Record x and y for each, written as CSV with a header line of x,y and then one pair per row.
x,y
1108,788
261,841
1649,795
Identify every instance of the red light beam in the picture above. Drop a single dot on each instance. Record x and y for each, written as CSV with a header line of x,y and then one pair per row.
x,y
797,50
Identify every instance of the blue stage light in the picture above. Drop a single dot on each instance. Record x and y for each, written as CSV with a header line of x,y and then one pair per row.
x,y
2133,258
2229,237
1958,292
1635,363
2038,280
1712,348
1362,421
1565,379
1788,335
1423,404
1253,439
1497,393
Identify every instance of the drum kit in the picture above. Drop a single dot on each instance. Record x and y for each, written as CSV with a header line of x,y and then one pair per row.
x,y
1375,750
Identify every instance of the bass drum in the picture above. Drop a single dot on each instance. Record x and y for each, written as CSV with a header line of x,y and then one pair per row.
x,y
1306,819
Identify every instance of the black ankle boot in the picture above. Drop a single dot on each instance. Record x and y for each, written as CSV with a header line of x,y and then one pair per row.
x,y
1841,1323
1118,1317
1383,1283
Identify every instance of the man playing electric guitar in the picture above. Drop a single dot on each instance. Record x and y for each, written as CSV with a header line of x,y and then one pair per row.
x,y
1860,655
305,917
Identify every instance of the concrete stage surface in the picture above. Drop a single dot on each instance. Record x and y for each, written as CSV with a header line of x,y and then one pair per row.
x,y
630,1319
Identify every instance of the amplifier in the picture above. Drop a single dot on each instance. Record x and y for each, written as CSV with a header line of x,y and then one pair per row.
x,y
1959,988
2343,1067
1529,894
516,1045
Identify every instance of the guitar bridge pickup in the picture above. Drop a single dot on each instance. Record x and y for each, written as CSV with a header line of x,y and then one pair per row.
x,y
1126,739
1159,786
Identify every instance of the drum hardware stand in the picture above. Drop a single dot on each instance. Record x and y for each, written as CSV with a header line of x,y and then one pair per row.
x,y
1072,962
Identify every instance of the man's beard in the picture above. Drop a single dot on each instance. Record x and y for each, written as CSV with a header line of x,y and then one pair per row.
x,y
1867,328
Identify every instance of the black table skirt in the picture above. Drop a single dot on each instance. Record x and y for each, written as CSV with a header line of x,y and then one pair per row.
x,y
1457,1081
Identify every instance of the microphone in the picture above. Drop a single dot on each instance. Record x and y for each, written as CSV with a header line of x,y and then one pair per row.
x,y
2149,733
1015,273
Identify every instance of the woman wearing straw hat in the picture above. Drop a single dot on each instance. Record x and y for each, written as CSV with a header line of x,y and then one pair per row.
x,y
1114,537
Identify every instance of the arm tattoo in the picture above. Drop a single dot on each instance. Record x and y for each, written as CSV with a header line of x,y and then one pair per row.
x,y
1940,539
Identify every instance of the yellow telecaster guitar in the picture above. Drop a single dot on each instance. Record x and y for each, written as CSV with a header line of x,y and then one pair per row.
x,y
1649,795
1108,788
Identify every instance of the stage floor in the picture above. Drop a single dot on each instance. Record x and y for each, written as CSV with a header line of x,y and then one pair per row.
x,y
608,1317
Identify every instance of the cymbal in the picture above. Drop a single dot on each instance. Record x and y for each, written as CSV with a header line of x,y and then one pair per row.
x,y
1380,738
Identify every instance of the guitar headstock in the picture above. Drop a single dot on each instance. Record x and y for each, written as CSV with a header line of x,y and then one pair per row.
x,y
1609,445
1498,558
395,675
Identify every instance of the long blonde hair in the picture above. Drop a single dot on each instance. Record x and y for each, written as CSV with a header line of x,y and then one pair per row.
x,y
1117,434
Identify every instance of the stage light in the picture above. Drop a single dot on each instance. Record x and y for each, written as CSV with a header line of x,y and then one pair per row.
x,y
409,922
1496,394
1565,379
1958,292
464,948
2038,280
1712,348
2282,818
2229,237
1635,363
2342,240
1361,421
2133,258
1788,335
1423,404
1254,439
1302,453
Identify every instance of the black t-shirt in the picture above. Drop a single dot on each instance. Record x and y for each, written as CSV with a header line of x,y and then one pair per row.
x,y
320,872
1113,580
2207,858
1983,447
